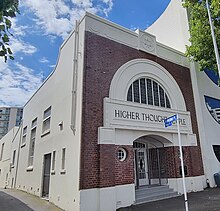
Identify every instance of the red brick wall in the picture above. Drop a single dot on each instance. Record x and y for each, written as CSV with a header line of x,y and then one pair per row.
x,y
191,158
112,171
103,57
124,170
169,158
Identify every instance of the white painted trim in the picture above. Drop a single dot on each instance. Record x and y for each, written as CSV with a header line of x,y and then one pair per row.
x,y
140,123
117,33
137,68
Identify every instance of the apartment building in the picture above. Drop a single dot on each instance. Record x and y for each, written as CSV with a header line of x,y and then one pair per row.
x,y
9,118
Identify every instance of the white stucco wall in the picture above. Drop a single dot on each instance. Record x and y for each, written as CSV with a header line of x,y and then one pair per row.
x,y
171,28
209,127
57,93
5,163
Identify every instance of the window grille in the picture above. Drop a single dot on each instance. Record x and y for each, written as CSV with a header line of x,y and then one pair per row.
x,y
148,91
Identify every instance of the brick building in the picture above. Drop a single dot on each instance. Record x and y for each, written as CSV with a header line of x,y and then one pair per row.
x,y
98,136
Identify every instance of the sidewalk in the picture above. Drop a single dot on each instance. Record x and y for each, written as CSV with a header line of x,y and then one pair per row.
x,y
26,201
207,200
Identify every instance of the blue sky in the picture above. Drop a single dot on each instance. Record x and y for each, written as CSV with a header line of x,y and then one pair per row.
x,y
43,25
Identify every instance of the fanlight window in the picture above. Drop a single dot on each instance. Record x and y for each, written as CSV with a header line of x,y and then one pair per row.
x,y
148,91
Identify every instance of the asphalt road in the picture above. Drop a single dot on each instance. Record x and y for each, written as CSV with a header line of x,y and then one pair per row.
x,y
9,203
207,200
16,200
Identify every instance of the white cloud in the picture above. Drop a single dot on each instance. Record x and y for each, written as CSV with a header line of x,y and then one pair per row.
x,y
18,30
53,18
58,17
18,45
43,60
17,84
109,4
53,66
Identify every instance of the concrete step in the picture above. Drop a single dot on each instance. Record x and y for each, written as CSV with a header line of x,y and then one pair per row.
x,y
152,189
153,192
147,193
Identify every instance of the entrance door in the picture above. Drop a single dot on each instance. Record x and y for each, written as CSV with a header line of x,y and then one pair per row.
x,y
46,175
141,165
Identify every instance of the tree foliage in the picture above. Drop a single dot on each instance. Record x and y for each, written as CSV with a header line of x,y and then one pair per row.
x,y
201,49
8,10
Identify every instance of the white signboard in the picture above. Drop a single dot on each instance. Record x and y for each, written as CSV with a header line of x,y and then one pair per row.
x,y
128,115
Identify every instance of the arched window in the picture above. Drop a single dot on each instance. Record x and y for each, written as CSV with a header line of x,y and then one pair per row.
x,y
148,91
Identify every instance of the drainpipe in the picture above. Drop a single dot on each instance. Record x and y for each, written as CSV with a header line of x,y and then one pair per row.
x,y
18,156
74,84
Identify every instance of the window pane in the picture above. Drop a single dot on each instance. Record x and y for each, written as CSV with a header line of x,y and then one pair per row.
x,y
30,161
143,91
53,161
34,123
33,133
25,130
149,92
63,158
167,102
162,98
2,151
13,158
24,139
47,113
31,148
136,91
156,94
129,96
46,125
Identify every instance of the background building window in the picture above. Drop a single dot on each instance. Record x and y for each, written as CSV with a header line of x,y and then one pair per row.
x,y
46,120
148,91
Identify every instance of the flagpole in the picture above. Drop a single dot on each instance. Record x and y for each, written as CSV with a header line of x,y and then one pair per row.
x,y
213,38
182,164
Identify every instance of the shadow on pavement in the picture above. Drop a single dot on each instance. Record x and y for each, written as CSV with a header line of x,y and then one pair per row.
x,y
9,203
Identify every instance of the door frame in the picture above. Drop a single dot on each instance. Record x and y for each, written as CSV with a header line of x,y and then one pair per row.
x,y
146,160
43,174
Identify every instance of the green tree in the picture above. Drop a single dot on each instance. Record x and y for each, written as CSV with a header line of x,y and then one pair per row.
x,y
201,49
8,10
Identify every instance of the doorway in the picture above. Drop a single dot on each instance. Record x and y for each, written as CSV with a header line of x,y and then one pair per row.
x,y
46,176
149,162
141,164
